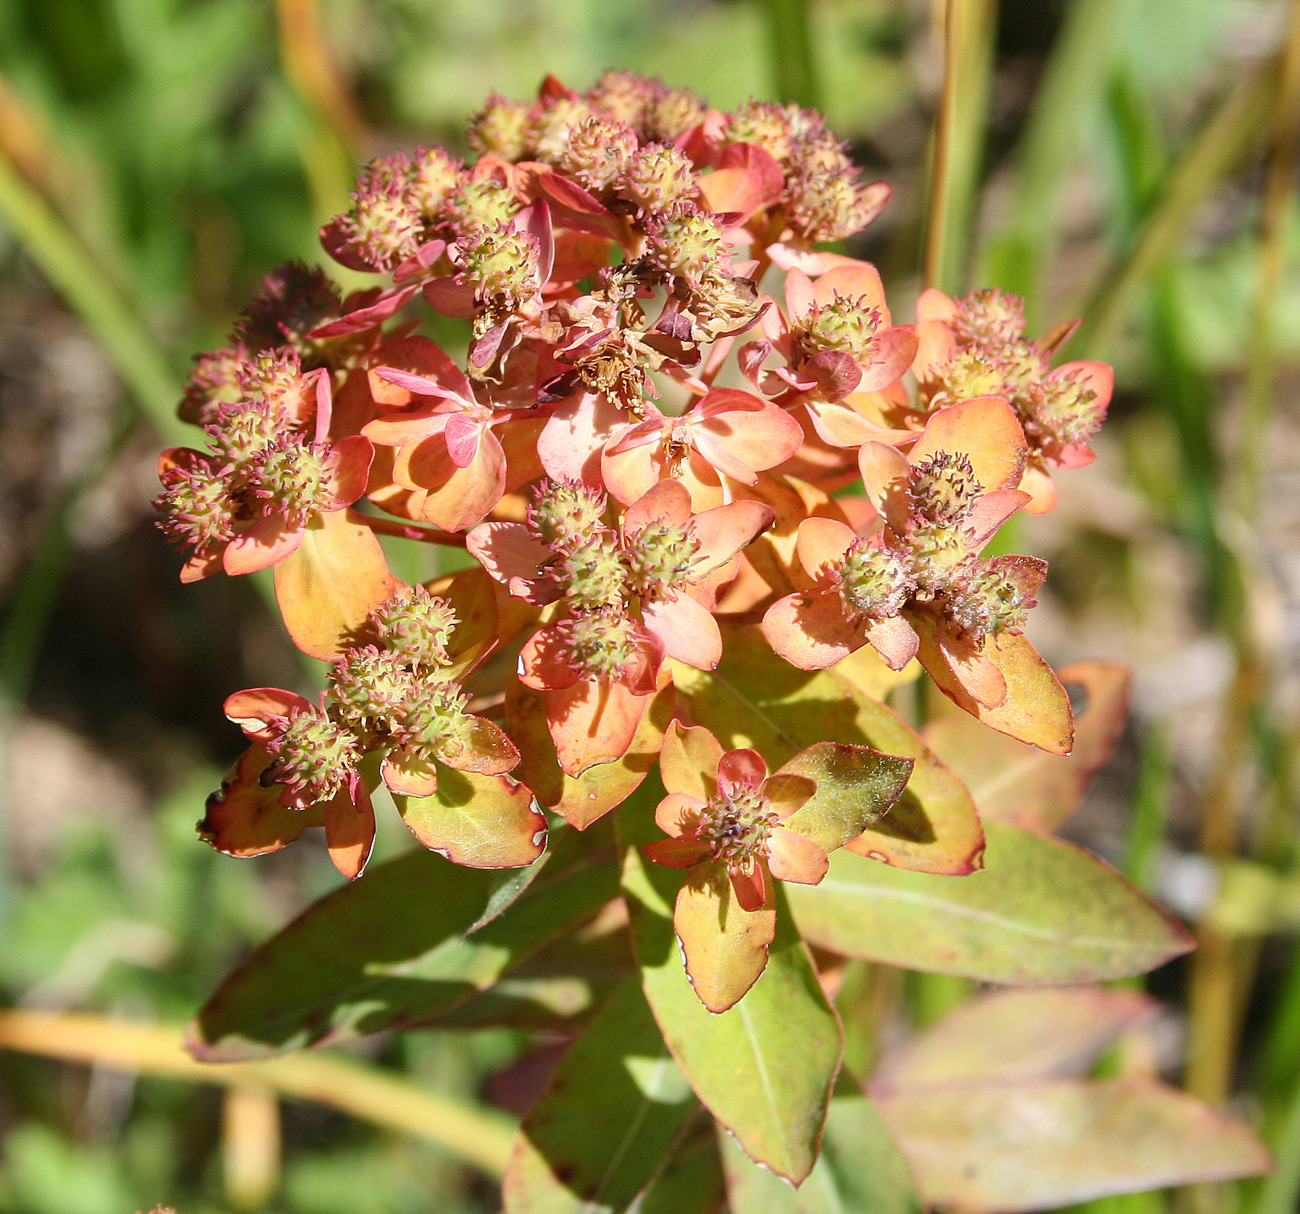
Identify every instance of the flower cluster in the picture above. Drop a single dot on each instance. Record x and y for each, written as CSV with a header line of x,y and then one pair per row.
x,y
648,443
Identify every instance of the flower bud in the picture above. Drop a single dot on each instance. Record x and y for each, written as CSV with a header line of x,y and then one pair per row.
x,y
480,204
656,177
660,557
416,626
672,113
501,128
501,264
599,644
435,722
598,152
737,827
384,225
873,582
295,477
764,124
623,96
552,126
685,242
212,382
434,174
1063,410
274,379
311,757
843,324
294,299
566,512
943,488
371,686
989,317
988,598
592,572
198,507
244,432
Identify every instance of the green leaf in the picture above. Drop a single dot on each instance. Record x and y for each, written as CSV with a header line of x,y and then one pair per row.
x,y
1045,911
614,1109
1013,1035
859,1171
856,786
390,950
755,699
765,1067
1036,1146
692,1182
477,820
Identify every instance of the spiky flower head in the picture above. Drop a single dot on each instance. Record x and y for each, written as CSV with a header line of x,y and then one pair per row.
x,y
657,176
566,512
384,225
295,477
737,826
599,644
502,264
433,174
212,382
274,378
623,96
312,756
685,242
416,626
501,128
294,299
660,557
598,152
986,599
558,118
842,324
244,432
435,722
592,573
943,488
370,686
1062,410
766,125
672,113
197,506
480,204
873,582
989,317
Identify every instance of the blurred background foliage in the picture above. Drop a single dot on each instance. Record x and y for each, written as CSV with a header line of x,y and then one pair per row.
x,y
1130,161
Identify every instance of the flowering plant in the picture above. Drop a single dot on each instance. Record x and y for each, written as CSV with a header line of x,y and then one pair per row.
x,y
691,581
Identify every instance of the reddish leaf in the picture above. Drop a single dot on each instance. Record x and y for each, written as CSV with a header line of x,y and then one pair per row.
x,y
244,819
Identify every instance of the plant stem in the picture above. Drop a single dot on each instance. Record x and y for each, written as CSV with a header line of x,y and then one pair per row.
x,y
60,256
478,1136
958,138
790,46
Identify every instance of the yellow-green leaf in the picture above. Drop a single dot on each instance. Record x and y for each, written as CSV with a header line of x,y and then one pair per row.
x,y
477,820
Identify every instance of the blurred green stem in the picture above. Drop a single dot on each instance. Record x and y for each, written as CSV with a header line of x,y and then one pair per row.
x,y
1150,807
958,145
1279,194
59,255
1072,82
1216,149
790,46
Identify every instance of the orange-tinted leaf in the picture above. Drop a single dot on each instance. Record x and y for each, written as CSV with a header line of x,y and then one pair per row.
x,y
755,699
350,831
1014,1035
244,819
582,799
792,501
1020,784
1038,1146
481,821
1036,708
328,587
725,946
987,431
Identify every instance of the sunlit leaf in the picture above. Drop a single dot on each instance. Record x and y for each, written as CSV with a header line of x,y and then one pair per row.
x,y
482,821
859,1171
610,1116
1020,784
1013,1035
765,1068
329,586
243,818
1044,911
756,699
1036,1146
856,787
390,949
